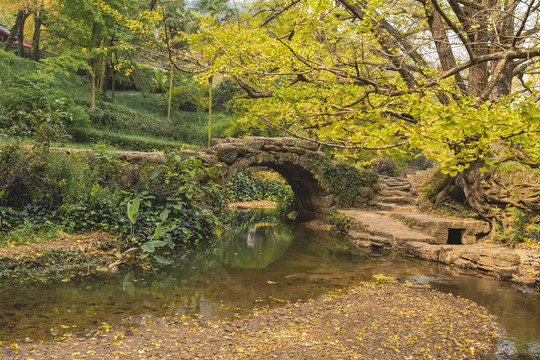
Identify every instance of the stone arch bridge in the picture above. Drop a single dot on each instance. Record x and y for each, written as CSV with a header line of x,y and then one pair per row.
x,y
298,161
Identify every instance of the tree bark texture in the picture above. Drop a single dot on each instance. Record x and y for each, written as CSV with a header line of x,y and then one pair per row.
x,y
36,37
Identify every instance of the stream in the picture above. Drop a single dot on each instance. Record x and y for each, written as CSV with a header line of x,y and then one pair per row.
x,y
257,263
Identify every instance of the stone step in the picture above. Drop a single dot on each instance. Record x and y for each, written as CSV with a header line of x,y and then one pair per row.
x,y
392,193
445,230
384,226
404,186
390,207
373,240
394,182
398,200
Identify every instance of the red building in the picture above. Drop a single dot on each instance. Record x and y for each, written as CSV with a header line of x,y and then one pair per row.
x,y
4,34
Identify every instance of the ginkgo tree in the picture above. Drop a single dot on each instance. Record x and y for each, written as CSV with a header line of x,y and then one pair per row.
x,y
451,78
454,79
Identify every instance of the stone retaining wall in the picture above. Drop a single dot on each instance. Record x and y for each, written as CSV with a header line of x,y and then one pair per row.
x,y
522,266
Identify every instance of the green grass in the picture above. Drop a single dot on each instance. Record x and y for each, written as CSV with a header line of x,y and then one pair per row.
x,y
131,122
189,127
28,234
139,104
126,142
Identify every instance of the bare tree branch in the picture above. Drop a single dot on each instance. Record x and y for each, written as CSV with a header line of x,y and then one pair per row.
x,y
276,14
339,146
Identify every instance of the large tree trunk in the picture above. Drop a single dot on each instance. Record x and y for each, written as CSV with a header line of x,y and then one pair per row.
x,y
506,36
20,35
442,44
37,35
19,23
496,195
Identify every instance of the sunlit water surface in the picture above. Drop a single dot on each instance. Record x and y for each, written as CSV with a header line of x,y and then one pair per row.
x,y
258,263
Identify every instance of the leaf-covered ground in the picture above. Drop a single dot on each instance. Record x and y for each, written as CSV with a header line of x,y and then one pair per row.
x,y
66,257
373,321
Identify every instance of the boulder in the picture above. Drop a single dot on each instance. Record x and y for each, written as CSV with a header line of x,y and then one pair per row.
x,y
423,250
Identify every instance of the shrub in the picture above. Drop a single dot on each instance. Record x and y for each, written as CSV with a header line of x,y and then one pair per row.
x,y
89,192
341,221
252,185
386,166
346,180
105,118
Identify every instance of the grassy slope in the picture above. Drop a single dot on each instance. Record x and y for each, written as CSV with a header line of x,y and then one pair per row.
x,y
141,122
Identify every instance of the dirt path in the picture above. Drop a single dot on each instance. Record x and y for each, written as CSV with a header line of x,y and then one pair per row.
x,y
373,321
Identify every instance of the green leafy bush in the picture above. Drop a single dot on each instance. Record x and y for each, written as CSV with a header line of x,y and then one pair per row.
x,y
345,181
89,192
341,221
517,225
252,185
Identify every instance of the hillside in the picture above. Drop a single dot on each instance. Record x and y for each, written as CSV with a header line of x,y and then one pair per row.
x,y
43,103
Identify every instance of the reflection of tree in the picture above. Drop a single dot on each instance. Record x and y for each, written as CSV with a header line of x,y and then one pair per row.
x,y
256,246
245,219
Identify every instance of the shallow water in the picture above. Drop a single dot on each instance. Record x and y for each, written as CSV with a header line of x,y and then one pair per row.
x,y
257,265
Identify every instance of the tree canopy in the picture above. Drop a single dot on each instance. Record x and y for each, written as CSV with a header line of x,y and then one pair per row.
x,y
457,79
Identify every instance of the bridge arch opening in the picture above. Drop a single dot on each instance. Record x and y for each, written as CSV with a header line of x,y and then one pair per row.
x,y
260,184
312,201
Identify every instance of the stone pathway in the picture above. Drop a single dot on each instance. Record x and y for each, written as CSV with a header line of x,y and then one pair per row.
x,y
397,223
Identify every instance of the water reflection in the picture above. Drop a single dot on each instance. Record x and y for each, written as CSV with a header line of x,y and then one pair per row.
x,y
258,263
254,247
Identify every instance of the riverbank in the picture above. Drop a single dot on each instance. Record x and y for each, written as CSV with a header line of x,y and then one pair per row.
x,y
379,230
66,257
397,219
372,321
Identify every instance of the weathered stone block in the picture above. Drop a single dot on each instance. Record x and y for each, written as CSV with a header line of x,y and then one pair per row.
x,y
318,154
226,153
254,145
263,158
234,140
273,142
241,164
272,148
288,158
329,201
309,145
215,142
289,141
297,150
464,263
423,250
